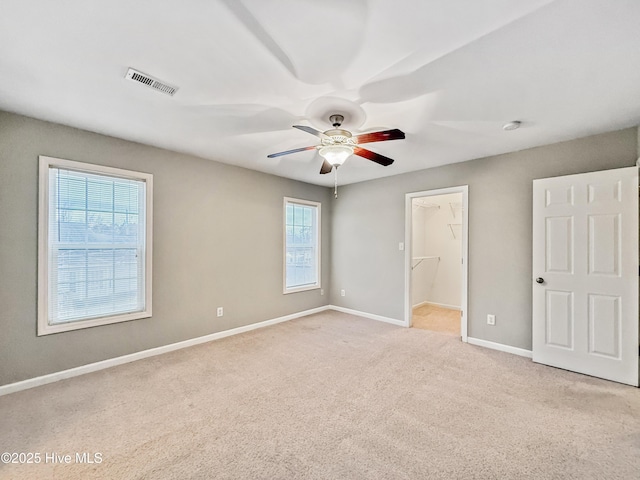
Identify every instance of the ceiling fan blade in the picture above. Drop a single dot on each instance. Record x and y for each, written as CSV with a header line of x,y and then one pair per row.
x,y
394,134
310,130
375,157
326,168
295,150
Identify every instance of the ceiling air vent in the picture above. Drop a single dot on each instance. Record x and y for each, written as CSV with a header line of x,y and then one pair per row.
x,y
149,81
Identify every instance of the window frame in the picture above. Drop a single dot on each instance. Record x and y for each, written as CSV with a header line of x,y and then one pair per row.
x,y
45,165
318,284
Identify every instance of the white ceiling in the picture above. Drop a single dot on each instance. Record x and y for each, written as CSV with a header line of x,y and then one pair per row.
x,y
449,73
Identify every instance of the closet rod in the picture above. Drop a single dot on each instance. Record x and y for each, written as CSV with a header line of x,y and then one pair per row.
x,y
422,259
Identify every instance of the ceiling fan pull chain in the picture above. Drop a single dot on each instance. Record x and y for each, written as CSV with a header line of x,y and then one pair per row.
x,y
335,188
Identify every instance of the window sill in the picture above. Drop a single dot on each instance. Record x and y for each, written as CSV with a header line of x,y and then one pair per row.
x,y
315,286
46,329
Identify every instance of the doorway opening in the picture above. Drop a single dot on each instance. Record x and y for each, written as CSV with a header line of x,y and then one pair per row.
x,y
436,247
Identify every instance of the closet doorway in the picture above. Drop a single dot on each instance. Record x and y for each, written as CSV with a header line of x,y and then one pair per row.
x,y
436,260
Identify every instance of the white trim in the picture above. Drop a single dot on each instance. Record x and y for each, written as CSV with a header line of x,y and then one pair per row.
x,y
371,316
464,307
43,244
500,347
45,164
94,168
442,305
132,357
318,284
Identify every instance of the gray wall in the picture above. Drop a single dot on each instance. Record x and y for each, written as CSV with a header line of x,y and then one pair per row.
x,y
368,224
217,242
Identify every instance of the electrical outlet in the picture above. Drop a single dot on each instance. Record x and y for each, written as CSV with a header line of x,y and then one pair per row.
x,y
342,293
220,311
491,319
322,291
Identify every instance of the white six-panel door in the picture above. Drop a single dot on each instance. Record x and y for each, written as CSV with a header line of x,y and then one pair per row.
x,y
585,273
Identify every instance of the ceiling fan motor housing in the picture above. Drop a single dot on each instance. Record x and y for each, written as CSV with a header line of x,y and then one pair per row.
x,y
338,132
338,137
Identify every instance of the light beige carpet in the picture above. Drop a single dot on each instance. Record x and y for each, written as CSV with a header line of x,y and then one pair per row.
x,y
330,396
436,319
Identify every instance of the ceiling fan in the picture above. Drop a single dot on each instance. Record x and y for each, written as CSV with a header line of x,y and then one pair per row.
x,y
336,145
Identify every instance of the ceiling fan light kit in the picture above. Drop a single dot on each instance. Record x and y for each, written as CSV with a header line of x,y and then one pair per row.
x,y
336,154
337,144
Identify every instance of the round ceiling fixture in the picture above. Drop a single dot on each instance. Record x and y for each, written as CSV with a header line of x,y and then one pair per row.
x,y
512,125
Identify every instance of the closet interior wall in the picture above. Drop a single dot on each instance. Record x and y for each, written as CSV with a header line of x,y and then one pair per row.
x,y
436,250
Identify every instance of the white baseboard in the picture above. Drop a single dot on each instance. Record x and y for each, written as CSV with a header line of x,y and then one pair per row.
x,y
112,362
435,304
372,316
499,346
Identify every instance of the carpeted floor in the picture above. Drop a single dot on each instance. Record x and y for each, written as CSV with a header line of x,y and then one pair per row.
x,y
330,396
436,319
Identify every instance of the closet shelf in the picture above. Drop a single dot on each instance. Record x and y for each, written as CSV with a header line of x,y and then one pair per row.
x,y
451,225
455,206
426,205
422,259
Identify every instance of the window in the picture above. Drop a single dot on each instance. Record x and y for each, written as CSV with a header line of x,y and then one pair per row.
x,y
94,245
302,245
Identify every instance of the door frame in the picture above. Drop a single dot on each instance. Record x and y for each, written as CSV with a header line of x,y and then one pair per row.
x,y
408,227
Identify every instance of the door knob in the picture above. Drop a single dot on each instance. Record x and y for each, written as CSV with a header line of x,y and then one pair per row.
x,y
539,280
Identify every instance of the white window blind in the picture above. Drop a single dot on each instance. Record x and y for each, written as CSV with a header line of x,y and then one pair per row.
x,y
302,245
96,247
